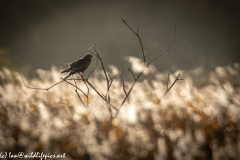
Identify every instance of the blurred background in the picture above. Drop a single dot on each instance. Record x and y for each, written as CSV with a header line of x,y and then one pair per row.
x,y
36,34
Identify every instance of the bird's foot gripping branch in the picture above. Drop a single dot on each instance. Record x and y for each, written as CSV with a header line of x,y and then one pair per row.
x,y
78,67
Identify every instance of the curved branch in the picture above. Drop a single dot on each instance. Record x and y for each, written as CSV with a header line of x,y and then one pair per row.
x,y
168,88
140,41
175,34
40,88
77,91
140,74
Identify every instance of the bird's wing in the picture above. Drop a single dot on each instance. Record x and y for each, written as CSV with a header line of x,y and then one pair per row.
x,y
76,65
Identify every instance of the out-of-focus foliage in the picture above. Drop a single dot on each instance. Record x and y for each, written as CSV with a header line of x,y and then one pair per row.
x,y
198,119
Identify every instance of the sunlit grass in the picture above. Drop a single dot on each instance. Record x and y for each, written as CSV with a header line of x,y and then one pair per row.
x,y
198,119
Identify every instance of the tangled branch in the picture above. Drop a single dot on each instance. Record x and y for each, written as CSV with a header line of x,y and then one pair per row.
x,y
110,78
144,60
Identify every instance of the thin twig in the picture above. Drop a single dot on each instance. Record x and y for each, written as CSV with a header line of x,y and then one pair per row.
x,y
147,54
84,80
103,67
77,92
53,86
130,90
140,41
102,64
109,80
101,95
167,80
75,82
175,34
112,78
91,74
110,110
124,90
95,90
168,88
77,79
144,56
74,86
131,72
40,88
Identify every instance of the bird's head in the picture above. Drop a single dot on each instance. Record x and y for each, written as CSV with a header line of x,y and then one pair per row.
x,y
88,56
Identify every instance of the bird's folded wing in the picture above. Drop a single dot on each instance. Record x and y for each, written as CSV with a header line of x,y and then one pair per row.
x,y
77,65
75,69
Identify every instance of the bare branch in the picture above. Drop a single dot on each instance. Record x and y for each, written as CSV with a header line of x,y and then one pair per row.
x,y
110,110
91,74
117,74
175,34
124,89
40,88
155,58
168,88
77,79
109,79
77,91
129,27
84,80
167,80
99,57
55,85
112,78
107,96
131,73
147,54
101,95
144,56
74,86
74,82
109,76
140,41
177,79
130,90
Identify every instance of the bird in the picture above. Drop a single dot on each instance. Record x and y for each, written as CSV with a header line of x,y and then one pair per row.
x,y
78,66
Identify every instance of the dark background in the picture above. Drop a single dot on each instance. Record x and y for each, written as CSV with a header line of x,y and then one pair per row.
x,y
40,32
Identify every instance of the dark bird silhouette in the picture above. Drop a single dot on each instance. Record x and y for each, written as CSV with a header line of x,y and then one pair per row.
x,y
78,66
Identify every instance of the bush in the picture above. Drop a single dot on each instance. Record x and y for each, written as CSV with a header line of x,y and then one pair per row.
x,y
197,119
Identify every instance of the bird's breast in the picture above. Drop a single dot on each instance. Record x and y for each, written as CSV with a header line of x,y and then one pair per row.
x,y
88,62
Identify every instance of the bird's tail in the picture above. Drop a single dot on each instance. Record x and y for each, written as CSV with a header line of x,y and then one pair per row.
x,y
66,70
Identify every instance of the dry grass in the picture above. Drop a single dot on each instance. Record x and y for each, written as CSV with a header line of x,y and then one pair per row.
x,y
198,119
